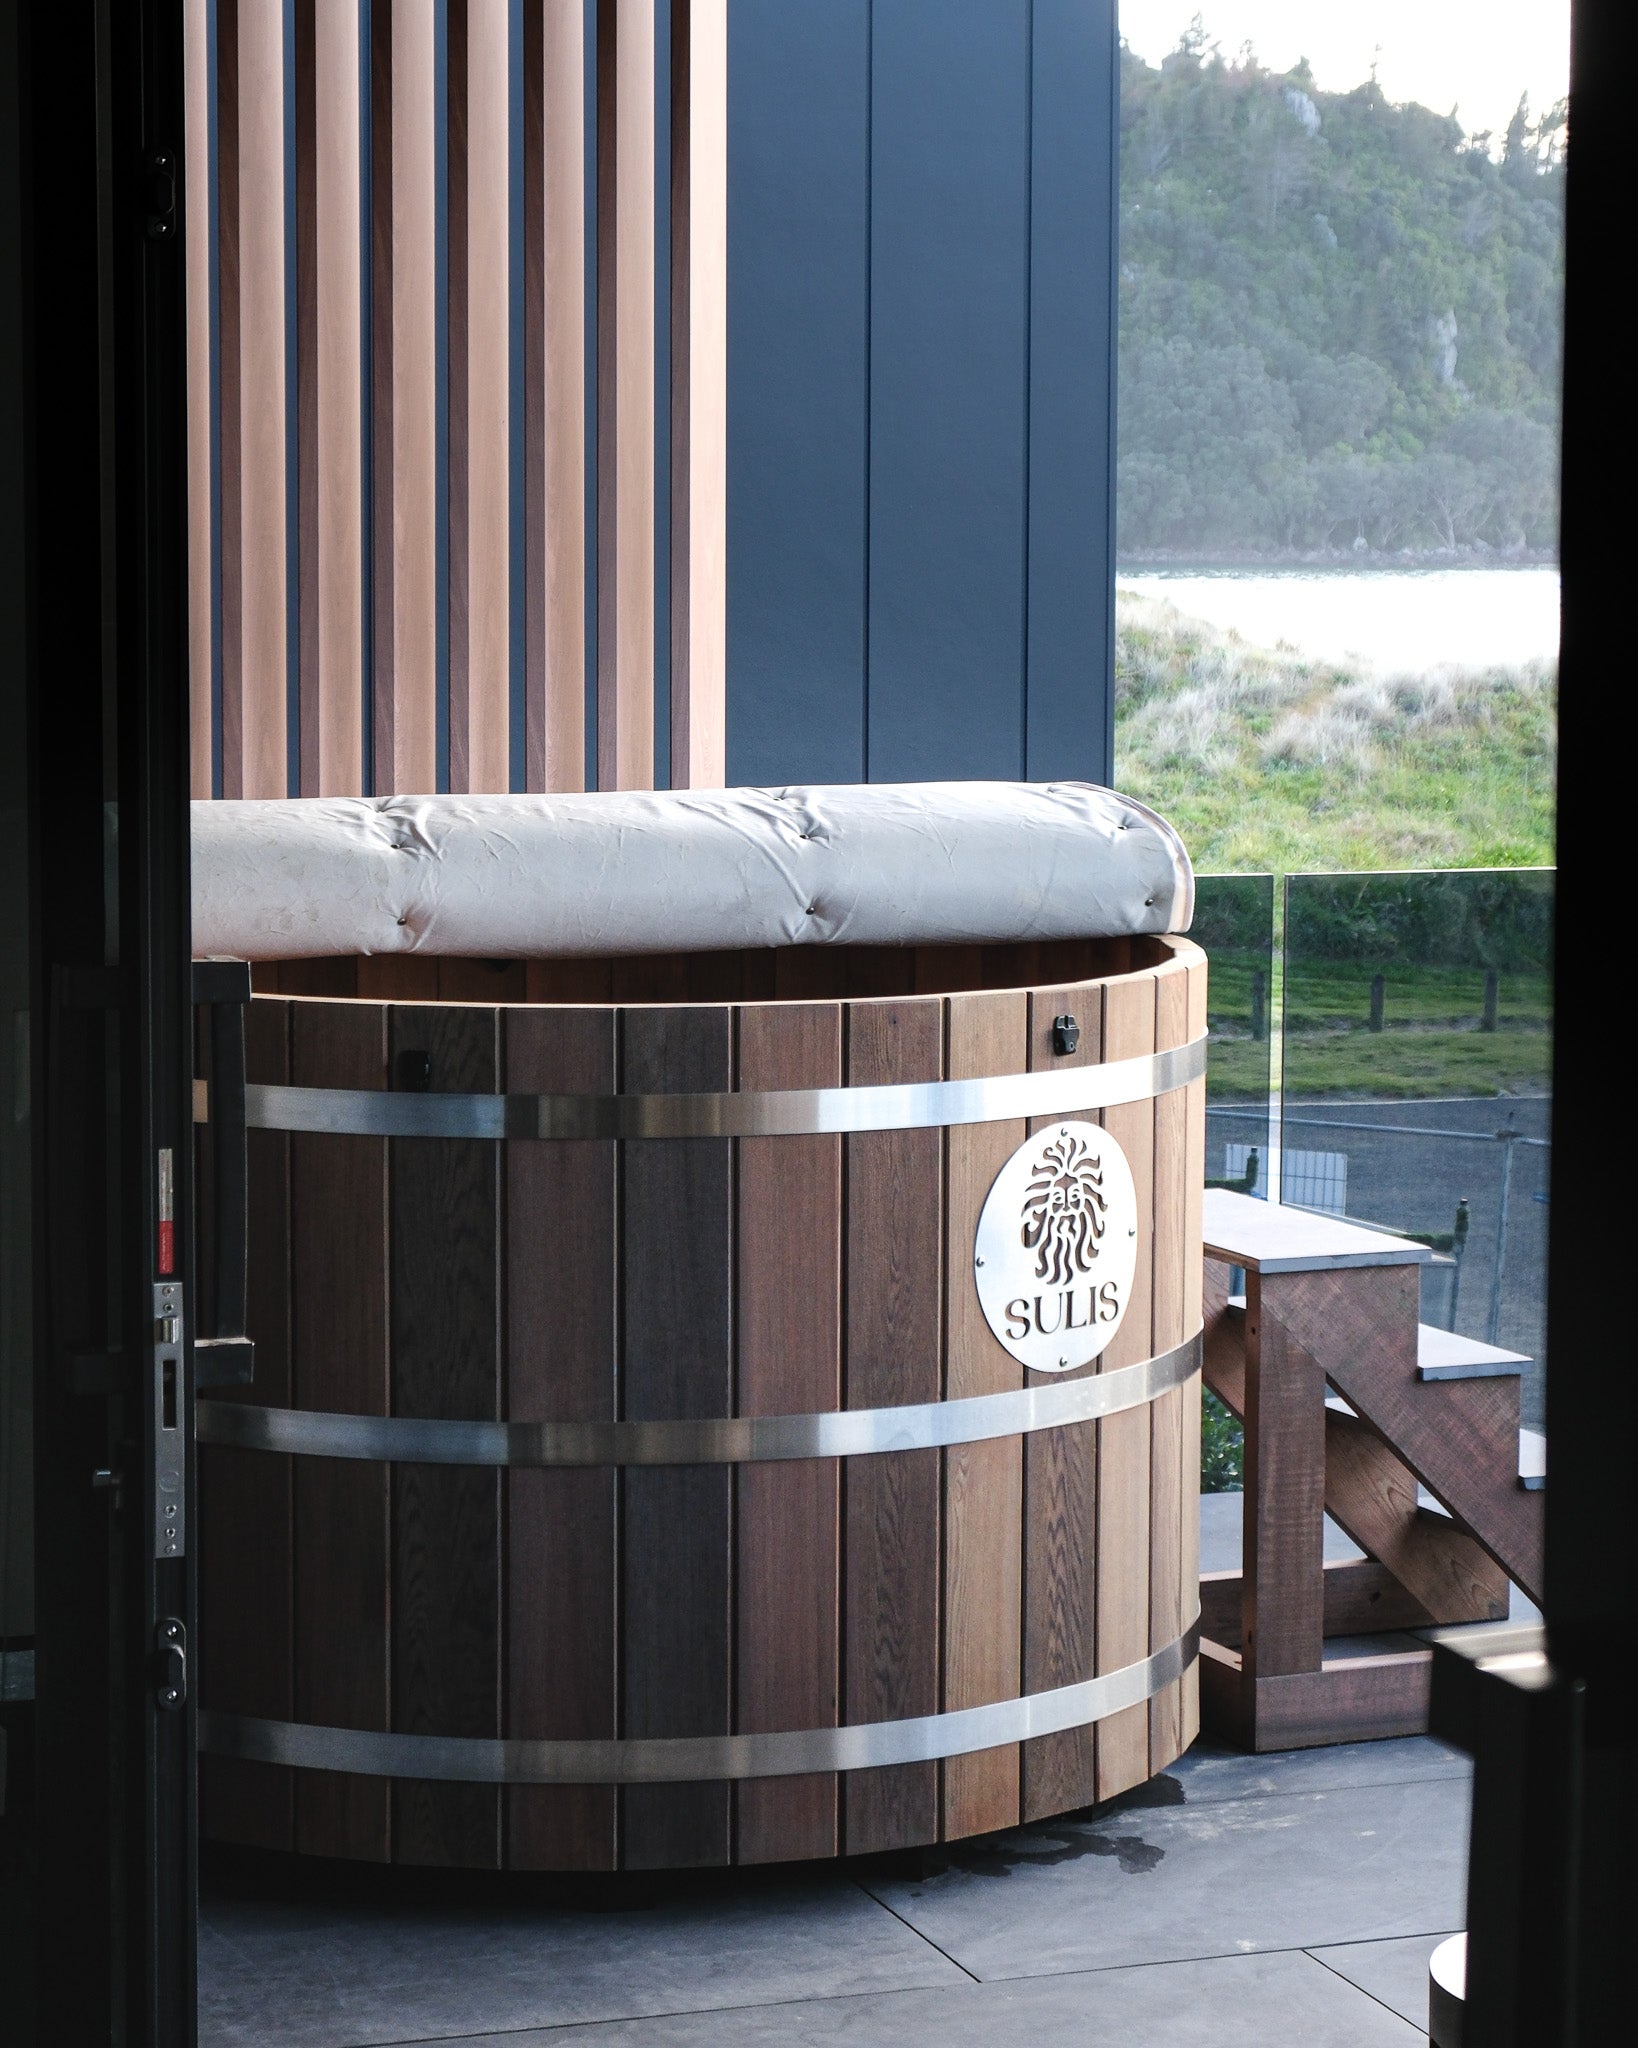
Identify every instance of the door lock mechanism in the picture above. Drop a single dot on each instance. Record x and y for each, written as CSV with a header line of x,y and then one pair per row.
x,y
170,1664
169,1441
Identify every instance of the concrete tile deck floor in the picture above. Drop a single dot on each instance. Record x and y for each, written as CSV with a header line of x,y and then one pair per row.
x,y
1235,1901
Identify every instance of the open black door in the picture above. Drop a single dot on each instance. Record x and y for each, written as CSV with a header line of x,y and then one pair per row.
x,y
96,1578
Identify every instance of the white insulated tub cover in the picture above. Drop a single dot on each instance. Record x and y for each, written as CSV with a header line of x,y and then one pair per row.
x,y
675,871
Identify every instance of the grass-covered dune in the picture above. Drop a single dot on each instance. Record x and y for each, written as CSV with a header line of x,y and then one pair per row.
x,y
1268,760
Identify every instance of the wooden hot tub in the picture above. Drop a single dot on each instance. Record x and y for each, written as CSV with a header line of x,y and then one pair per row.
x,y
631,1477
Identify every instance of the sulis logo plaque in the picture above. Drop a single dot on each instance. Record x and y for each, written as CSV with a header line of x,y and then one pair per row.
x,y
1056,1247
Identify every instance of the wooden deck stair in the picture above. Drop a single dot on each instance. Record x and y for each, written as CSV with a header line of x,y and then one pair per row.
x,y
1329,1305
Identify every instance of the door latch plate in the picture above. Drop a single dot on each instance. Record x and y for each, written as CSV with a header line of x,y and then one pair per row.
x,y
170,1664
170,1453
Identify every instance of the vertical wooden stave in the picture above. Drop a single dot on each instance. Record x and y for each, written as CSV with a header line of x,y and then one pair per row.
x,y
983,1483
445,1310
1123,1440
676,1291
894,1206
246,1576
789,1259
561,1563
342,1571
1169,1601
1060,1502
1193,1286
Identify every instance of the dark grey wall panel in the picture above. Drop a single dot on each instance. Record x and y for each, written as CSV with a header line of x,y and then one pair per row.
x,y
920,388
949,341
798,351
1070,716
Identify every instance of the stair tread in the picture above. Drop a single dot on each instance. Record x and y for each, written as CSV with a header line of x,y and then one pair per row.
x,y
1273,1238
1447,1355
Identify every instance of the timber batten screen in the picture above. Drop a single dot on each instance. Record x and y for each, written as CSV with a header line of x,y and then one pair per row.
x,y
423,300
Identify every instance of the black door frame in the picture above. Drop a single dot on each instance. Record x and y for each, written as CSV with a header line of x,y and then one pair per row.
x,y
103,560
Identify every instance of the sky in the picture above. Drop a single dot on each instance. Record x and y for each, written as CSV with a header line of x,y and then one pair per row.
x,y
1477,55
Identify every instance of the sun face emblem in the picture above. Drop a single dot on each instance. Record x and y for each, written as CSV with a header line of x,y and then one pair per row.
x,y
1055,1250
1065,1211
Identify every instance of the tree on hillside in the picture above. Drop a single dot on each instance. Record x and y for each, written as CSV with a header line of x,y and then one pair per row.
x,y
1340,319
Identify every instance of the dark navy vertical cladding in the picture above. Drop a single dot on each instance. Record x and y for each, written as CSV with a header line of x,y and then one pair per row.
x,y
1070,726
948,378
662,394
366,410
440,375
292,426
798,388
516,538
588,26
213,228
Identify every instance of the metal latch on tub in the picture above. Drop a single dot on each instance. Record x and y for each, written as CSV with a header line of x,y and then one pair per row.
x,y
170,1452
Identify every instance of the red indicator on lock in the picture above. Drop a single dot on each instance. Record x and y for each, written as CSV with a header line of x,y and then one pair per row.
x,y
167,1213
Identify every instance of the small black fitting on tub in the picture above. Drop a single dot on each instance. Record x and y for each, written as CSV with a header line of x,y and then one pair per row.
x,y
1066,1034
413,1072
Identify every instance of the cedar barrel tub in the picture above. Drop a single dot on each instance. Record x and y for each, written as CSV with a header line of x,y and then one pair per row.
x,y
634,1475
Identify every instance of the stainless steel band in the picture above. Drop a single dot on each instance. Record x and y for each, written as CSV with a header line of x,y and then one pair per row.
x,y
683,1759
727,1440
755,1113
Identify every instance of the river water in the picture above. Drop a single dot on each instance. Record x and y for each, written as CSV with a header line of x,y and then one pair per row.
x,y
1390,620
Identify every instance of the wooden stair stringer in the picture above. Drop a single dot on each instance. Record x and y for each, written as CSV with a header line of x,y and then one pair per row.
x,y
1371,1493
1458,1437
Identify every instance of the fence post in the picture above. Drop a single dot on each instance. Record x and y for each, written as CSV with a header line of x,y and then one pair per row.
x,y
1379,991
1492,992
1259,1004
1508,1139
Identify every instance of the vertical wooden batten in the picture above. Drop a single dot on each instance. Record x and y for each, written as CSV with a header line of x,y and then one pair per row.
x,y
332,730
554,242
230,557
380,699
488,401
408,761
699,392
392,549
625,394
261,769
303,256
456,390
196,177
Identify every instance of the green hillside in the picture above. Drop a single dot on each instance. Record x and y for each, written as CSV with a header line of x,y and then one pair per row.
x,y
1340,319
1266,759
